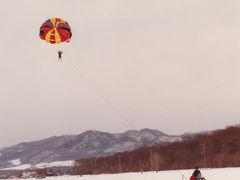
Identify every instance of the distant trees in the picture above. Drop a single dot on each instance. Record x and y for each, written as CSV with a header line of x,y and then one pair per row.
x,y
156,160
219,149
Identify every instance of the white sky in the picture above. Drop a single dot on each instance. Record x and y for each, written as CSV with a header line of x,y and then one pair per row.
x,y
168,65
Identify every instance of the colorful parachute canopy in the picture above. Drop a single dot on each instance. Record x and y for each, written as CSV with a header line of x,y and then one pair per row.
x,y
55,30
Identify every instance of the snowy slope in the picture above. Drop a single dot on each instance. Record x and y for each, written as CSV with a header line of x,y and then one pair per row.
x,y
41,165
84,145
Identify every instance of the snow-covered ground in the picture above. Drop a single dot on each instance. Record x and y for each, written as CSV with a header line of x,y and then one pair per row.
x,y
20,166
15,162
209,174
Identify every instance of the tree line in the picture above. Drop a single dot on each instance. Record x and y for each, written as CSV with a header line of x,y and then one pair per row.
x,y
221,148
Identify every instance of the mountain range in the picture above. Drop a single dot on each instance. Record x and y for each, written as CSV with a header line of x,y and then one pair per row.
x,y
84,145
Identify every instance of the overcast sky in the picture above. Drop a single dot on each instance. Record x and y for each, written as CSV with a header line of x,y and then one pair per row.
x,y
168,65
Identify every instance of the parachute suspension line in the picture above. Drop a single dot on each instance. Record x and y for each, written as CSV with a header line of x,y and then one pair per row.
x,y
107,100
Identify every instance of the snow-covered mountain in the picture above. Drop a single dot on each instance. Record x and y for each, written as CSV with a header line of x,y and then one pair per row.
x,y
72,147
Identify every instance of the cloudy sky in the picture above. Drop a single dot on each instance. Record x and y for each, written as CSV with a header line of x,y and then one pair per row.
x,y
167,65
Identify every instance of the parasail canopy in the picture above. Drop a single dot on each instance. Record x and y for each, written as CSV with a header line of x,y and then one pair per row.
x,y
55,31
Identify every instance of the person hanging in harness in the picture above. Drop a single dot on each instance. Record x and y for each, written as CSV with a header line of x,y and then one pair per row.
x,y
197,174
60,55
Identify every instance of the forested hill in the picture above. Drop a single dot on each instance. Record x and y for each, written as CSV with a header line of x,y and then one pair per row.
x,y
84,145
218,149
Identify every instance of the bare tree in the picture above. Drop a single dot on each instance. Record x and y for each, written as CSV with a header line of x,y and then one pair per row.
x,y
156,160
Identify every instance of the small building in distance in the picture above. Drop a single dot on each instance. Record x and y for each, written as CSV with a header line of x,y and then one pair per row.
x,y
41,172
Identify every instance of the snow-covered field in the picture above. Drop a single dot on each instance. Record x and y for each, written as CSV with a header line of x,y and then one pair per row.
x,y
20,166
209,174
